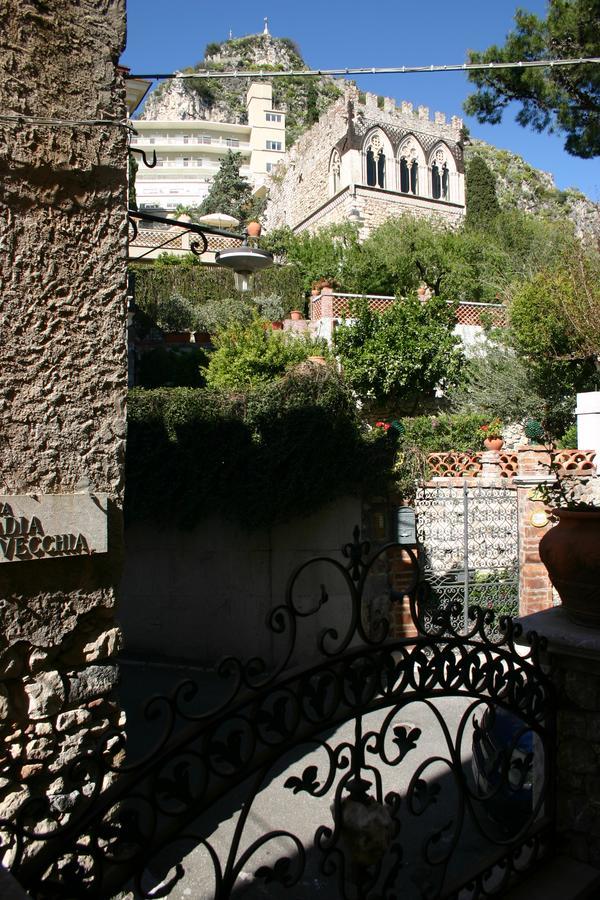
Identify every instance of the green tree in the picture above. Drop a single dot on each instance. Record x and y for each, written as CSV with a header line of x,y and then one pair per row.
x,y
482,202
561,361
323,254
406,252
497,382
312,107
561,99
252,354
401,355
231,193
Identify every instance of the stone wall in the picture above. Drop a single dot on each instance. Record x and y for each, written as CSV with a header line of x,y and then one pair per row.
x,y
574,664
206,593
62,384
300,190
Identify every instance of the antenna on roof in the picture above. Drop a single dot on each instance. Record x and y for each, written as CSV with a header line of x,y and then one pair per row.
x,y
266,28
230,34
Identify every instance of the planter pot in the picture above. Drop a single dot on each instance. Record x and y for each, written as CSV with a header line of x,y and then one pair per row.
x,y
277,326
253,229
571,553
296,315
493,443
317,360
178,337
202,337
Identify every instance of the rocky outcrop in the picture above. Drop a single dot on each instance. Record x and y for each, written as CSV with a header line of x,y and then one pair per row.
x,y
224,100
521,186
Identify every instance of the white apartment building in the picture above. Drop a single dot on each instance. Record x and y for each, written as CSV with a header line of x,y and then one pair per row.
x,y
189,152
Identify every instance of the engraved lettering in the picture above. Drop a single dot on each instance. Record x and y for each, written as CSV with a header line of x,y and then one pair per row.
x,y
81,545
34,545
35,526
21,546
11,526
48,543
8,547
5,509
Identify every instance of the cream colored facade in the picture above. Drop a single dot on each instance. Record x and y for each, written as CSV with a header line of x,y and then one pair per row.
x,y
189,152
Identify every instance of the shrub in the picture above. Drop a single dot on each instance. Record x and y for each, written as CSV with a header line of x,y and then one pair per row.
x,y
274,452
170,367
253,354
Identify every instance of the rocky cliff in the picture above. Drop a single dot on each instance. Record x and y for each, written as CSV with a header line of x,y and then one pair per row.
x,y
522,186
302,99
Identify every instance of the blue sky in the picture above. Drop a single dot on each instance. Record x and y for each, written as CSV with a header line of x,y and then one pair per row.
x,y
337,33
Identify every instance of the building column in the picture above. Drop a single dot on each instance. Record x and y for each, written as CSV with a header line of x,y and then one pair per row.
x,y
535,589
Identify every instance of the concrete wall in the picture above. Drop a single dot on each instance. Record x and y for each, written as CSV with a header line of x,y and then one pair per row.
x,y
63,383
204,594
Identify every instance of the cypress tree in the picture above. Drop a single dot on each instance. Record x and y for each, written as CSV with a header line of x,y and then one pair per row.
x,y
482,202
231,193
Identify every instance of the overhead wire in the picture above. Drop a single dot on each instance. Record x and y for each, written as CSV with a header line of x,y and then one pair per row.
x,y
372,70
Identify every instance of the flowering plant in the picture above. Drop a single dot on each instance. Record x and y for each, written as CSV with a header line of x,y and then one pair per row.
x,y
395,424
492,429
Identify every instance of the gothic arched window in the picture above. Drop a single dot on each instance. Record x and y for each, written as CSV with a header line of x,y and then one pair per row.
x,y
375,163
409,176
440,176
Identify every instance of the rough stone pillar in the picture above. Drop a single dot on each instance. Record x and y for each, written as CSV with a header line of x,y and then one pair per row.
x,y
63,380
535,589
574,664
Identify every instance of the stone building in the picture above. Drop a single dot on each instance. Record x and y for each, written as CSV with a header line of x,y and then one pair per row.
x,y
367,160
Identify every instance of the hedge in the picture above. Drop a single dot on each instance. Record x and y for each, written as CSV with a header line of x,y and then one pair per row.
x,y
261,457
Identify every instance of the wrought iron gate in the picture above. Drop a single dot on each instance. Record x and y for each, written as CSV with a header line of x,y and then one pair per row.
x,y
470,540
413,768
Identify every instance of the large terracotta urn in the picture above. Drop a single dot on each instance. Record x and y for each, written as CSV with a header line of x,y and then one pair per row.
x,y
571,553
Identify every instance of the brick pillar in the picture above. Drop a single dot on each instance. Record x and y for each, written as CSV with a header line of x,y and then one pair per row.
x,y
535,590
490,465
327,303
401,577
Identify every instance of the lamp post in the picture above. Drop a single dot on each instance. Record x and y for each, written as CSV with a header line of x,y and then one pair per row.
x,y
244,261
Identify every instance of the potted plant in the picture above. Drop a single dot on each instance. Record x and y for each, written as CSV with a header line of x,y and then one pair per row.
x,y
493,439
571,550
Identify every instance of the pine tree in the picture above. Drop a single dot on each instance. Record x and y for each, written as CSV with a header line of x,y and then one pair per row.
x,y
231,193
482,202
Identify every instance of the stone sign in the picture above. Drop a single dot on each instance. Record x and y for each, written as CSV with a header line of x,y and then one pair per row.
x,y
48,526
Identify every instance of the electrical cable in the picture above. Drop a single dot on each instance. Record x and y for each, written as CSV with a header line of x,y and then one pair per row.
x,y
375,70
18,119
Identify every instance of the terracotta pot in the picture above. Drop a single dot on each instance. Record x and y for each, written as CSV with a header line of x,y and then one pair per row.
x,y
277,326
571,553
202,337
317,360
493,443
253,229
296,315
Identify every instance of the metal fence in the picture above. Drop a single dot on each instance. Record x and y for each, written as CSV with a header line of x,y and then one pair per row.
x,y
469,538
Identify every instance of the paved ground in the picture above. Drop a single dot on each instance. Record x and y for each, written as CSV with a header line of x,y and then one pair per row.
x,y
276,807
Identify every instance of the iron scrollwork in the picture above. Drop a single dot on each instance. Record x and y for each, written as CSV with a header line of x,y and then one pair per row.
x,y
367,737
149,165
